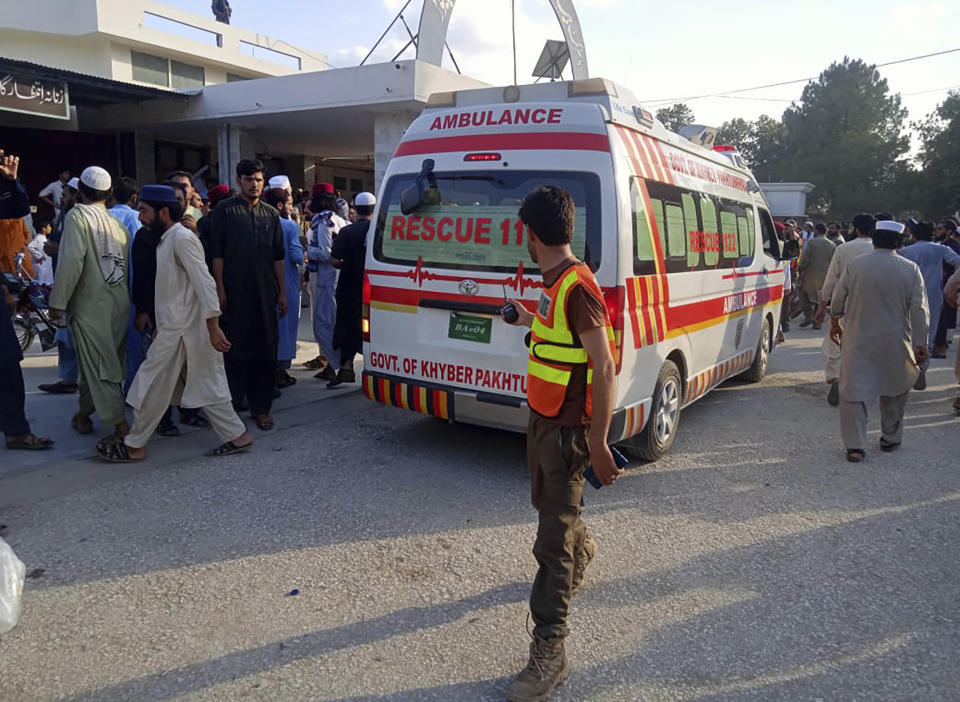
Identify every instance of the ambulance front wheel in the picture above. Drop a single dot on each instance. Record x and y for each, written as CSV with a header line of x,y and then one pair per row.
x,y
657,437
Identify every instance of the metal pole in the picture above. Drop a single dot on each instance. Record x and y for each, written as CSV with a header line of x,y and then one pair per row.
x,y
389,27
513,32
407,27
450,51
413,40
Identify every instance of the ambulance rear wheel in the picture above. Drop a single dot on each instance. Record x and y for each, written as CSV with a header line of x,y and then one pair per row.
x,y
755,373
657,437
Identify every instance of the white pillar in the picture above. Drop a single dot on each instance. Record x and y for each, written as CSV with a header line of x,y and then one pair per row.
x,y
388,130
228,152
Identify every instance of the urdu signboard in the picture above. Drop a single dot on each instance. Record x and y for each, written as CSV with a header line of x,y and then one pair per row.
x,y
34,96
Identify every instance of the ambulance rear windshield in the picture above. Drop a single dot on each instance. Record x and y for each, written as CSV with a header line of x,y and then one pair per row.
x,y
475,226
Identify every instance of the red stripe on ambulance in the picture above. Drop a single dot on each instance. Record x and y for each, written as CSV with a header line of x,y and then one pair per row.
x,y
567,141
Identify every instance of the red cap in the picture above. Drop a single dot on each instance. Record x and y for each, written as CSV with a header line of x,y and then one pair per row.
x,y
322,188
779,226
217,192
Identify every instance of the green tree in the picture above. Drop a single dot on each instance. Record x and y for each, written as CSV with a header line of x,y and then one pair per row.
x,y
766,151
845,136
760,142
676,116
735,132
939,193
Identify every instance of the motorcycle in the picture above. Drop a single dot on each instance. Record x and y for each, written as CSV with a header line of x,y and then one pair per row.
x,y
31,320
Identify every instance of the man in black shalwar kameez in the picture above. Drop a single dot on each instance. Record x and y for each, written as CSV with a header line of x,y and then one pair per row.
x,y
349,255
246,246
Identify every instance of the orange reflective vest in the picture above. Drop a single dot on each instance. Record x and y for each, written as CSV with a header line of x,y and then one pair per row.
x,y
553,349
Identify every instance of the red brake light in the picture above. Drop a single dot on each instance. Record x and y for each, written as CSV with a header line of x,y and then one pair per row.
x,y
614,299
365,320
724,148
489,156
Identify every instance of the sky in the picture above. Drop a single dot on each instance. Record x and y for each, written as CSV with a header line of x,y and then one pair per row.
x,y
658,50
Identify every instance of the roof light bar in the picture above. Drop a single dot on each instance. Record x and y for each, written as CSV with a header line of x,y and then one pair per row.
x,y
591,86
443,99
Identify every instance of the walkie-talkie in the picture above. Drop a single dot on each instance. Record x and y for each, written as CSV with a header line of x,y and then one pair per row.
x,y
619,460
509,312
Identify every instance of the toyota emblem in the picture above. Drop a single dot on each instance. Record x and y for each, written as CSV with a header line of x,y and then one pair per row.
x,y
469,287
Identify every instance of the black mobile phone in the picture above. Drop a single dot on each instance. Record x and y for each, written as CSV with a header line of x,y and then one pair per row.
x,y
618,458
510,314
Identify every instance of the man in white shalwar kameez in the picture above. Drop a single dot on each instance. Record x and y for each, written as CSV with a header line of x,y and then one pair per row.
x,y
184,365
862,244
883,304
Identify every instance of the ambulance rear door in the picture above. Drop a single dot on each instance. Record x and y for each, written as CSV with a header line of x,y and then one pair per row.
x,y
438,275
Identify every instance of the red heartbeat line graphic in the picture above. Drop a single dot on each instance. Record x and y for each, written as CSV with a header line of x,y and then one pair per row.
x,y
419,274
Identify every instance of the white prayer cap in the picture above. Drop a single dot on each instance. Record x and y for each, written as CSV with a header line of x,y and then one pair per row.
x,y
888,225
96,178
280,181
364,200
74,183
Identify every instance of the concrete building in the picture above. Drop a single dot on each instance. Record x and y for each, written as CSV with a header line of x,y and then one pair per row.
x,y
142,89
787,199
144,42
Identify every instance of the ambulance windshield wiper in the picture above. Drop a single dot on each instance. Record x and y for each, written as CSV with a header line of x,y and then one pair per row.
x,y
418,194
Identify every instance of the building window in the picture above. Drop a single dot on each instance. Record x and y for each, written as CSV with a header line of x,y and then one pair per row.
x,y
184,76
150,69
157,70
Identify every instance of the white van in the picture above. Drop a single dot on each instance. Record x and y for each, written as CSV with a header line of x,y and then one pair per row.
x,y
679,238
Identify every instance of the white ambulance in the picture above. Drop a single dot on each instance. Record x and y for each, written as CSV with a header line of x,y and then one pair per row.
x,y
679,238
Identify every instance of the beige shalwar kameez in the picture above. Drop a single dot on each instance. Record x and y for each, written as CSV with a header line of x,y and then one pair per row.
x,y
182,367
883,303
845,253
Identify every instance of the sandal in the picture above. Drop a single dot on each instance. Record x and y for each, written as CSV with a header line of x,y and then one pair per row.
x,y
115,452
315,363
264,422
888,446
856,455
82,424
226,449
168,429
29,442
194,420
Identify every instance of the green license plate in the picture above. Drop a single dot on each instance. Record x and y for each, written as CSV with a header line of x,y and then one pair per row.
x,y
470,328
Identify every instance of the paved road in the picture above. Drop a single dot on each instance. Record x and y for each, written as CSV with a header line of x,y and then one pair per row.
x,y
753,563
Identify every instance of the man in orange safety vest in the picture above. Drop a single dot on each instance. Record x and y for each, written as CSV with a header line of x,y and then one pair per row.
x,y
570,383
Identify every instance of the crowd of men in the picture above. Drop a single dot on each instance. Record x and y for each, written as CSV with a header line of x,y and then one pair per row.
x,y
170,300
891,290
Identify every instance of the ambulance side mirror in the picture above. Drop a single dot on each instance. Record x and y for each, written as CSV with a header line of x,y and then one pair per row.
x,y
790,250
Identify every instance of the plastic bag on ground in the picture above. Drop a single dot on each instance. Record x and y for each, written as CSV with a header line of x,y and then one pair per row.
x,y
12,572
